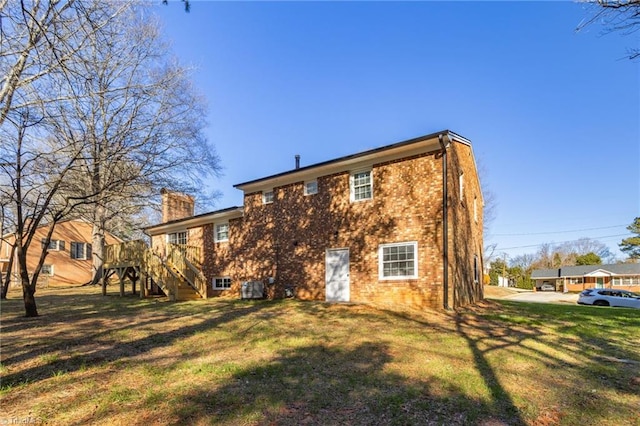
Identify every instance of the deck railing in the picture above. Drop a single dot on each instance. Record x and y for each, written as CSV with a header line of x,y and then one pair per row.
x,y
192,253
166,279
180,263
178,258
125,253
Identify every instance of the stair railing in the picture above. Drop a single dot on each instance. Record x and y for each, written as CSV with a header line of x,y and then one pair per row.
x,y
178,258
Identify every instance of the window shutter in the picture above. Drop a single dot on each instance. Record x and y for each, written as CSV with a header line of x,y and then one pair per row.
x,y
61,245
88,251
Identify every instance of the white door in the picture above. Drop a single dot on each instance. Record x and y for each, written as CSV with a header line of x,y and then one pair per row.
x,y
337,275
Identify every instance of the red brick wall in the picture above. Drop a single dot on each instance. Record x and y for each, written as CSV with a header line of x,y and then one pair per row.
x,y
288,239
176,205
465,227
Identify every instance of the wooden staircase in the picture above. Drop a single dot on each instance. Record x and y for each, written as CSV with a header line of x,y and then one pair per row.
x,y
178,273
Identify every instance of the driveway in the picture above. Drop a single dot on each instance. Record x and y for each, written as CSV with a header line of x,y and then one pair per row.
x,y
543,297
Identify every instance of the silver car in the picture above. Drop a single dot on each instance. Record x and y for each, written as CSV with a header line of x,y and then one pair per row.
x,y
609,297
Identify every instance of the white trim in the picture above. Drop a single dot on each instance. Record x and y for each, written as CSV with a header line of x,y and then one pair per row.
x,y
51,273
264,196
185,231
599,273
213,283
314,181
424,144
352,194
194,222
381,248
215,232
327,277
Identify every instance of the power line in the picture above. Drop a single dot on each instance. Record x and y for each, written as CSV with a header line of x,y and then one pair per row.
x,y
561,242
556,232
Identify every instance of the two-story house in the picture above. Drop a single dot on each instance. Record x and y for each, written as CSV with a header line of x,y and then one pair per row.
x,y
68,260
396,225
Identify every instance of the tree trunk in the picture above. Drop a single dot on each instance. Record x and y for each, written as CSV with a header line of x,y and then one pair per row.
x,y
6,282
97,244
28,294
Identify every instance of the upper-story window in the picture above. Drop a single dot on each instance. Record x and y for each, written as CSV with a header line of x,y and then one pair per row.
x,y
361,185
267,197
80,251
221,232
311,187
177,238
53,244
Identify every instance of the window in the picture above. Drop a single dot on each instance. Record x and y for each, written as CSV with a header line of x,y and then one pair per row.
x,y
267,197
221,232
476,270
577,280
361,186
396,261
53,244
80,251
177,238
311,187
222,283
47,270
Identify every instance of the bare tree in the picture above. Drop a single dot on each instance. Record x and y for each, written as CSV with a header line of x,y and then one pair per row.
x,y
141,121
616,15
95,118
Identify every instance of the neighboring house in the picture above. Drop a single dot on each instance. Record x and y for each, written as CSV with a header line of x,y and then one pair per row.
x,y
623,276
68,258
374,227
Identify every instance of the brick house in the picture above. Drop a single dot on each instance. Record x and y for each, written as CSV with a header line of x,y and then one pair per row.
x,y
68,260
621,276
373,227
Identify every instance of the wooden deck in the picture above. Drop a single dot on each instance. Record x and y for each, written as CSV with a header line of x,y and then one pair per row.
x,y
179,277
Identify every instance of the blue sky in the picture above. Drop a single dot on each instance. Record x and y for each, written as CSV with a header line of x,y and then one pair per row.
x,y
553,114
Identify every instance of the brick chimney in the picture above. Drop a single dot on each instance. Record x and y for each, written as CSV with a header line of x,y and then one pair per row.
x,y
176,205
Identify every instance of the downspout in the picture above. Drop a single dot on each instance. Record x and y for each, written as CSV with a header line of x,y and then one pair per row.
x,y
445,226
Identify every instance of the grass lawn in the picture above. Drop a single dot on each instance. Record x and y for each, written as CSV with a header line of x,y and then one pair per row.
x,y
90,359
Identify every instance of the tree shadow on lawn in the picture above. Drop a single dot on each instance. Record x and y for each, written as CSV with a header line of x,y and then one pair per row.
x,y
324,385
90,341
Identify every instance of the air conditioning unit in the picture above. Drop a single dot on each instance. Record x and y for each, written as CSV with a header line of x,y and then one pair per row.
x,y
252,290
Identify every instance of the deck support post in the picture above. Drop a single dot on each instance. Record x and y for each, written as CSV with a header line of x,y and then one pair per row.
x,y
121,277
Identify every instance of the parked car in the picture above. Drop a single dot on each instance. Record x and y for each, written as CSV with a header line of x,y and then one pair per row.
x,y
547,287
609,297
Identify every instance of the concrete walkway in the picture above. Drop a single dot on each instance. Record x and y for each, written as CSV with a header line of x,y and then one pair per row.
x,y
543,297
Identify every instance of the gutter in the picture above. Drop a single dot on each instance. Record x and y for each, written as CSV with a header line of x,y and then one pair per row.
x,y
445,222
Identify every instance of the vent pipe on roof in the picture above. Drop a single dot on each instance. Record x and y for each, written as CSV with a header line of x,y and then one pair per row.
x,y
297,161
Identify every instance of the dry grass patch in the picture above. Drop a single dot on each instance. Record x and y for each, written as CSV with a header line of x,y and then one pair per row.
x,y
109,360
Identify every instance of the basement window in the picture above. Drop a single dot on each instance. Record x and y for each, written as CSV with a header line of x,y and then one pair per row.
x,y
398,261
47,270
221,283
